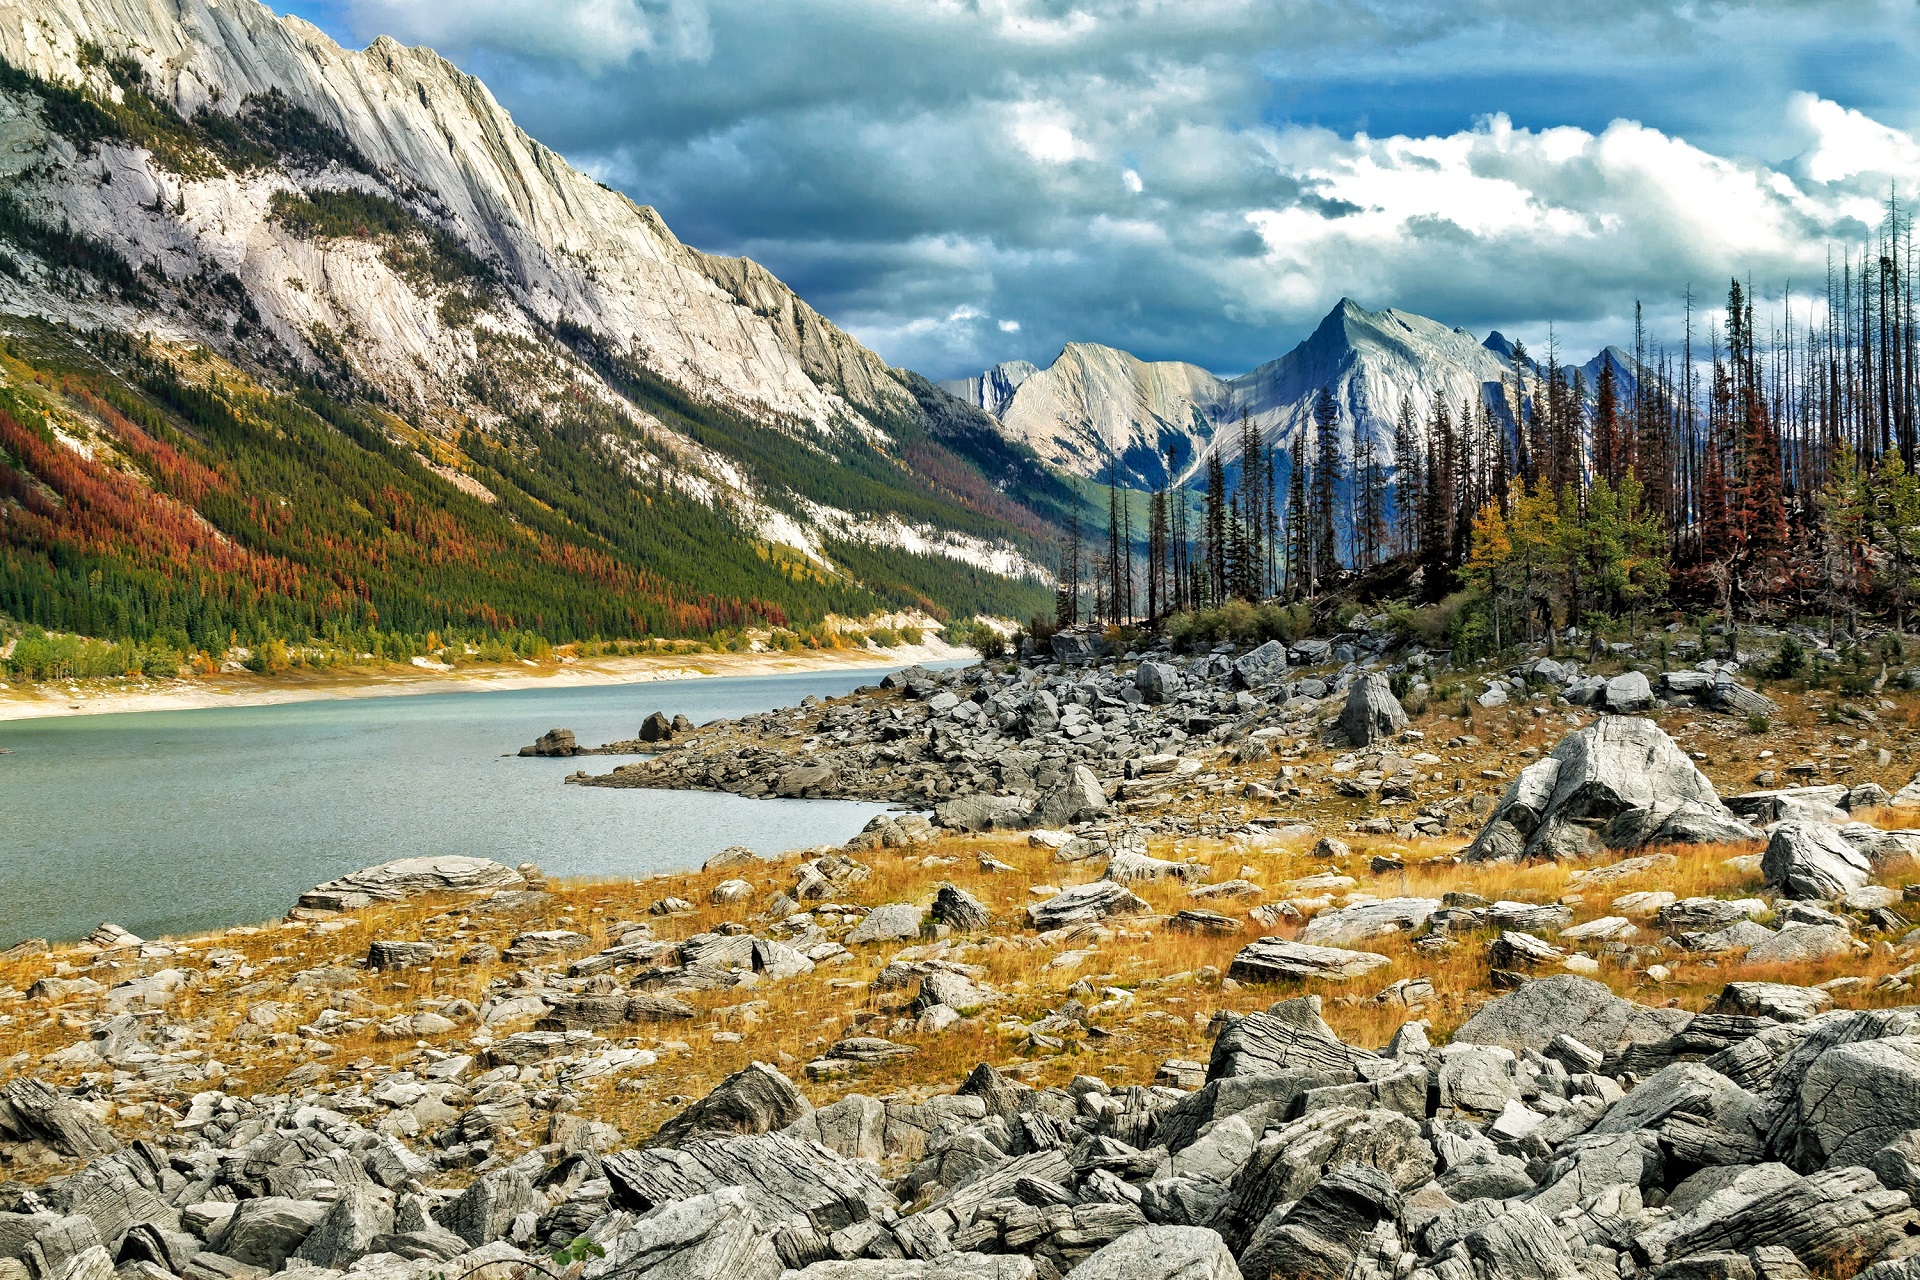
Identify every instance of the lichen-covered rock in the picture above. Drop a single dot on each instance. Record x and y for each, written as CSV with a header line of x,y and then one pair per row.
x,y
1277,960
1813,860
755,1099
1371,713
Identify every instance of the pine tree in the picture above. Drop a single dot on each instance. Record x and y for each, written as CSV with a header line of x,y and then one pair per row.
x,y
1326,483
1066,610
1846,504
1299,532
1216,574
1406,481
1896,524
1369,527
1609,460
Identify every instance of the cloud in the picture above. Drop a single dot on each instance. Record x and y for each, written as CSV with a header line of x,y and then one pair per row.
x,y
1203,179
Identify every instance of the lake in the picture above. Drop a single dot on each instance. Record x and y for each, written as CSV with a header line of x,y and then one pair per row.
x,y
179,821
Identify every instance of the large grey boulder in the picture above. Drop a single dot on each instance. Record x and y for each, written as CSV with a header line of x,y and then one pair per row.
x,y
1085,903
489,1205
1832,1222
1293,1158
1157,682
894,922
984,813
1289,1036
1076,798
1813,860
1277,960
1907,797
1372,712
710,1235
264,1231
1620,783
1855,1099
1073,648
1263,666
1567,1004
1387,918
785,1177
35,1111
1628,694
1801,943
359,1217
955,907
412,878
1161,1253
1331,1230
755,1099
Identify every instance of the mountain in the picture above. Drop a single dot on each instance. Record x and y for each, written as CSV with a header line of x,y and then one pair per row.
x,y
1095,406
212,217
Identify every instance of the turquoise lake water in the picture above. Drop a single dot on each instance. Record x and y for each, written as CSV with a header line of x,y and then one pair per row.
x,y
175,821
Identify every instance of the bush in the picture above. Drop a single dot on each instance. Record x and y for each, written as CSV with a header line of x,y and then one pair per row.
x,y
1400,682
1790,660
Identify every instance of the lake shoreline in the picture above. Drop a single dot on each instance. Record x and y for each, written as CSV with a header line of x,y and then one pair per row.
x,y
35,702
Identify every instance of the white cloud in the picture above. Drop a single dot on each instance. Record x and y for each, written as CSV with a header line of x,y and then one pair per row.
x,y
1009,326
1847,143
595,34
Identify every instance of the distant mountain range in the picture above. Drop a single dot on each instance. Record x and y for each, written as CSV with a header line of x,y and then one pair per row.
x,y
1096,408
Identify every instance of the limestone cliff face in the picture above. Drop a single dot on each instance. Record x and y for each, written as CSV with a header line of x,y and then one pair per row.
x,y
569,249
556,264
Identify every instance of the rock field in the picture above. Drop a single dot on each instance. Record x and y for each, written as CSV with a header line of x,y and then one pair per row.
x,y
1232,966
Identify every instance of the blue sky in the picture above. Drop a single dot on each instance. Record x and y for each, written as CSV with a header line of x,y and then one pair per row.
x,y
964,181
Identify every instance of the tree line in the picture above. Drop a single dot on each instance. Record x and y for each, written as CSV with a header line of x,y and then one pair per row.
x,y
1758,465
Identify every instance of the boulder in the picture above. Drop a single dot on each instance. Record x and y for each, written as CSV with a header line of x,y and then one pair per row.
x,y
1161,1253
1157,682
1332,1231
1261,667
945,1266
710,1235
1777,1000
358,1218
413,878
1387,918
1831,1222
1277,960
398,955
1567,1004
984,813
656,728
807,780
1085,903
1128,865
1372,712
1855,1099
554,742
1076,798
895,922
1620,782
1813,860
755,1099
1075,649
1907,797
958,909
784,1177
264,1231
35,1111
1736,699
1800,943
1628,694
1290,1035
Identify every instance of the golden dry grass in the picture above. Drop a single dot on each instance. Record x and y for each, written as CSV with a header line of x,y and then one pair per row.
x,y
1173,980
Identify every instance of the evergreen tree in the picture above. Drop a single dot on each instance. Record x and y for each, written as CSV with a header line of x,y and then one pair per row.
x,y
1326,484
1299,531
1846,504
1407,483
1369,525
1216,517
1609,460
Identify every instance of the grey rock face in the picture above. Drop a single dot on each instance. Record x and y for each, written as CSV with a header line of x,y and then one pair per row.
x,y
984,813
264,1231
358,1218
1276,960
1073,649
1157,681
709,1235
1907,797
1813,860
1372,712
1856,1098
959,909
1262,667
783,1177
413,878
1798,943
755,1099
1628,694
1161,1253
1566,1004
398,955
1618,783
34,1111
948,1266
1077,798
1384,919
1285,1038
1085,903
894,922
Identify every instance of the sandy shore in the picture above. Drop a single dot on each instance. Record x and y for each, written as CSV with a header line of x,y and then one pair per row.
x,y
107,697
